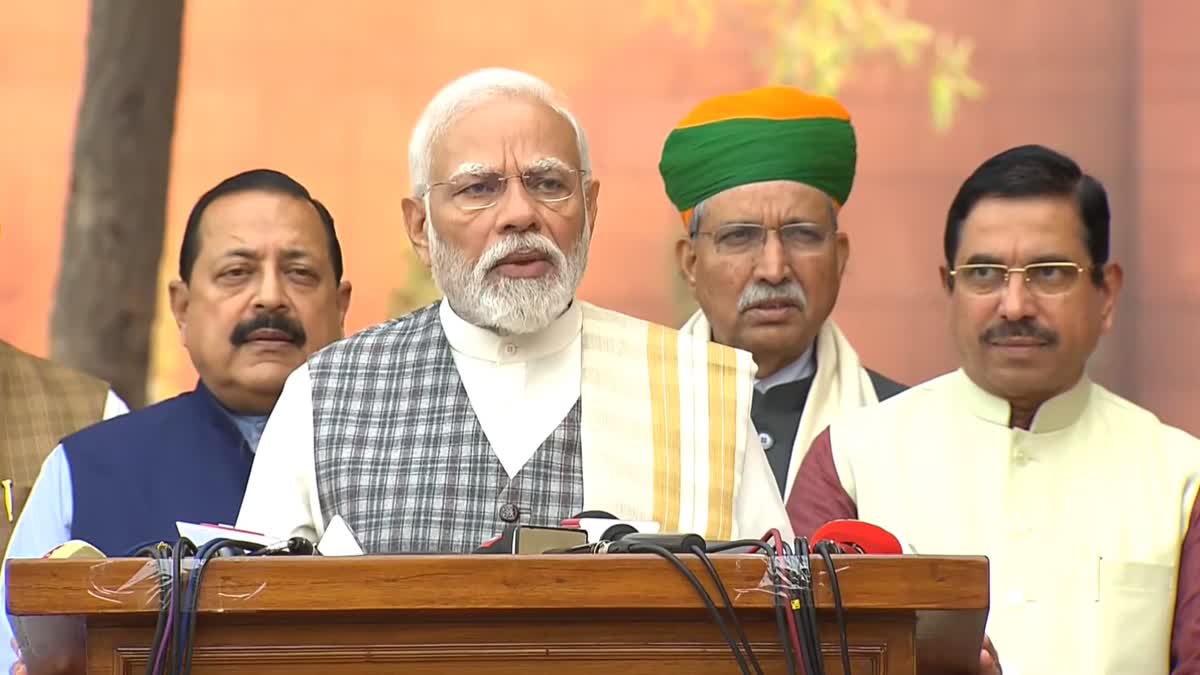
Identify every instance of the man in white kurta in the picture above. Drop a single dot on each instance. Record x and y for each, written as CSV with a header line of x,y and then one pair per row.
x,y
1084,503
511,400
759,177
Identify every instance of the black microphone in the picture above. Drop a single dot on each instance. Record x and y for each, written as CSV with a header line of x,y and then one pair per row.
x,y
292,546
675,543
618,531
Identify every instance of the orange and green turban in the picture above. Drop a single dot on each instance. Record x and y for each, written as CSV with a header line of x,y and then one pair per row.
x,y
770,133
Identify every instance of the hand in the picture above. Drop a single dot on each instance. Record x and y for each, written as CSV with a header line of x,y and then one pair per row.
x,y
18,668
989,660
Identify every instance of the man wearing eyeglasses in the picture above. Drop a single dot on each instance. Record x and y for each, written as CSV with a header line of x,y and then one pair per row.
x,y
759,177
510,401
1084,503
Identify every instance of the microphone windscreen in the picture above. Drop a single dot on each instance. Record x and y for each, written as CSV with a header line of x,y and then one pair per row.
x,y
868,538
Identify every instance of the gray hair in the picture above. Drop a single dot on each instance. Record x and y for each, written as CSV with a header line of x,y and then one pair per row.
x,y
467,93
699,209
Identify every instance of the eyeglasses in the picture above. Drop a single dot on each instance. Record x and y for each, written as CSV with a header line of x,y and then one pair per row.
x,y
1048,278
475,192
742,239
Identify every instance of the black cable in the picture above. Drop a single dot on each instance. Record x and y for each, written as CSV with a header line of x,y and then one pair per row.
x,y
741,543
206,553
164,610
810,635
789,658
151,551
737,624
794,599
177,553
704,597
185,646
161,553
839,611
813,621
781,625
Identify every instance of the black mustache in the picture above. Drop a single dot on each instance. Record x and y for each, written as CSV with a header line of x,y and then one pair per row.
x,y
1022,328
286,325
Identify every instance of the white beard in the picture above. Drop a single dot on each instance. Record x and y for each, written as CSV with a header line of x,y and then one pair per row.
x,y
506,305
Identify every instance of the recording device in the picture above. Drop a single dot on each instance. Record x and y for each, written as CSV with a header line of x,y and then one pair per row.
x,y
532,540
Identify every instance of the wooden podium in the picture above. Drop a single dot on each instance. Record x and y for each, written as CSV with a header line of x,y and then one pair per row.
x,y
580,614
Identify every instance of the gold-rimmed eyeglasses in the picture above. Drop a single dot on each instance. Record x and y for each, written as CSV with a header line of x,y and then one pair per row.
x,y
744,238
478,191
1044,278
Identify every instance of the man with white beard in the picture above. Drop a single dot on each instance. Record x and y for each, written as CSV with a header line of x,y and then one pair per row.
x,y
510,401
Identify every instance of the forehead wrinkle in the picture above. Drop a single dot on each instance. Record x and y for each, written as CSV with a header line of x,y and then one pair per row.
x,y
242,252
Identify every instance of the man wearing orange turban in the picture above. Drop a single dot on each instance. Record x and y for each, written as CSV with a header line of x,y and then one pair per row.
x,y
758,178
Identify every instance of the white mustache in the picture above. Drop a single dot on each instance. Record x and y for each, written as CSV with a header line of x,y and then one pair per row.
x,y
519,243
761,292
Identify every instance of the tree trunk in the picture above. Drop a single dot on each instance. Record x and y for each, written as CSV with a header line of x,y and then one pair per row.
x,y
112,241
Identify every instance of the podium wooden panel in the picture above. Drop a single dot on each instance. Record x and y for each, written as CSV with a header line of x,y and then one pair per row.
x,y
583,614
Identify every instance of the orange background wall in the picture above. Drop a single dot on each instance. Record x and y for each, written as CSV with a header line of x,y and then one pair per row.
x,y
328,92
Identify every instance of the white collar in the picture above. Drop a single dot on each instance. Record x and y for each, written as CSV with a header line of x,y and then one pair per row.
x,y
1058,413
485,345
796,370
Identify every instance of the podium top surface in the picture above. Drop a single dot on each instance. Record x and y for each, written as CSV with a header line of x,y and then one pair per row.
x,y
421,583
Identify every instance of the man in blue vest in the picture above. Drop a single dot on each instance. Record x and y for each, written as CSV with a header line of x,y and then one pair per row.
x,y
260,289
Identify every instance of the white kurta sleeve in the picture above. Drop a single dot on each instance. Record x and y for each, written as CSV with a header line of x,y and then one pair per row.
x,y
281,497
757,506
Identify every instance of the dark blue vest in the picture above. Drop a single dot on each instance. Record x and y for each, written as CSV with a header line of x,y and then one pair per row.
x,y
133,476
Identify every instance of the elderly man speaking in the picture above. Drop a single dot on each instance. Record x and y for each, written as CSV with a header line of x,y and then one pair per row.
x,y
759,177
510,400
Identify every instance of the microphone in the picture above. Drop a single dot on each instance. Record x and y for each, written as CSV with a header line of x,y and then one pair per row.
x,y
675,543
604,526
571,536
613,535
292,546
856,537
